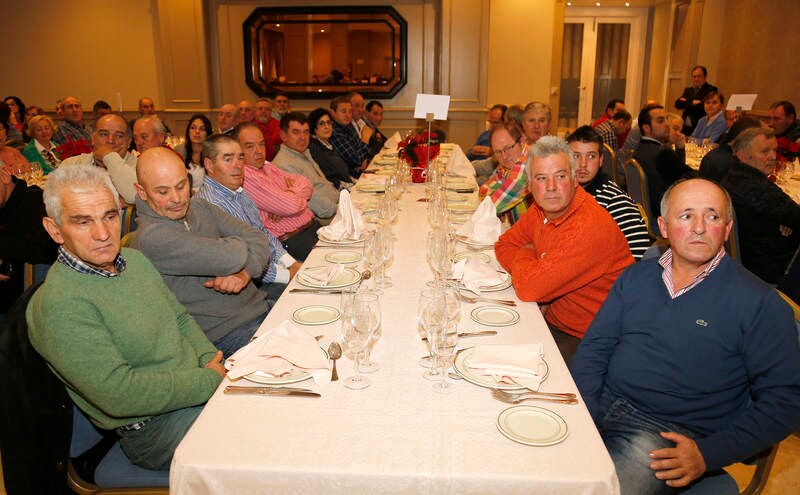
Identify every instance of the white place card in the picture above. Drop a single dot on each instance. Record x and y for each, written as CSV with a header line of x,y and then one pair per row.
x,y
742,102
438,105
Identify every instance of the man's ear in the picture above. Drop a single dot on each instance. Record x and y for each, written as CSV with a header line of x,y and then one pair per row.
x,y
140,191
662,227
52,229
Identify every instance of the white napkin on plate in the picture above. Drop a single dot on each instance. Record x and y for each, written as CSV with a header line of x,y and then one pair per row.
x,y
347,224
459,164
278,352
483,227
519,364
322,275
474,273
393,141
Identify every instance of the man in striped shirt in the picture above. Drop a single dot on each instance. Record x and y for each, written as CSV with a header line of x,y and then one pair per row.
x,y
282,198
585,144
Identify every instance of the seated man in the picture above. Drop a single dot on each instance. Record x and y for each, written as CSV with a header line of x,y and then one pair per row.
x,y
711,125
566,251
270,127
692,362
482,148
207,257
149,132
374,118
612,107
717,162
131,356
222,187
662,165
768,219
227,118
586,147
345,140
282,198
72,128
294,157
613,130
508,186
110,141
783,119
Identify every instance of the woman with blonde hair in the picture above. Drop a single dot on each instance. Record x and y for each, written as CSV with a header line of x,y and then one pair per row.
x,y
41,148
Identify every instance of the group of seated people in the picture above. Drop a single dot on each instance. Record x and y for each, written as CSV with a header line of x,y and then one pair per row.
x,y
687,361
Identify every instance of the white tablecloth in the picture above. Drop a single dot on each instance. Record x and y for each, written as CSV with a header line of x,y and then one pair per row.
x,y
397,436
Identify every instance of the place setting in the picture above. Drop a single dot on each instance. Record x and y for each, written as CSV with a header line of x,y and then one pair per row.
x,y
482,229
284,355
515,373
347,227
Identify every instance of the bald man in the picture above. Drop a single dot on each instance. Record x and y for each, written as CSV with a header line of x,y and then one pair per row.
x,y
227,118
110,140
206,257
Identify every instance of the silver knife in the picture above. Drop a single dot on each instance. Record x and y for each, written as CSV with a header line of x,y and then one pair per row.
x,y
472,334
315,291
234,389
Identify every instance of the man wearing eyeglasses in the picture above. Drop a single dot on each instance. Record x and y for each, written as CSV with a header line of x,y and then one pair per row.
x,y
508,186
585,144
111,139
483,145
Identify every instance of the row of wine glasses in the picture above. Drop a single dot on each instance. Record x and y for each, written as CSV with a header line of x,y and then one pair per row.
x,y
438,318
361,329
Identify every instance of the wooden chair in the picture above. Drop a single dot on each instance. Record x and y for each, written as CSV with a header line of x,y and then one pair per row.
x,y
763,462
128,217
639,192
732,244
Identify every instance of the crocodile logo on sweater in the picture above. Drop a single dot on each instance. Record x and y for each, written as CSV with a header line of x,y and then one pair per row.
x,y
702,323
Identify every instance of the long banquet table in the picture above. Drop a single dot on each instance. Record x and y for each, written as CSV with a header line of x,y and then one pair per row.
x,y
397,436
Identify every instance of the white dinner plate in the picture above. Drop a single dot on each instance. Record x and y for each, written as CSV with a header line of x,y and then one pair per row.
x,y
531,425
453,197
505,284
348,277
371,187
485,258
461,365
316,315
293,376
343,242
475,245
494,316
343,257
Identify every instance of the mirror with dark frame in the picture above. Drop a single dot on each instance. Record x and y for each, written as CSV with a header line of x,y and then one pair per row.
x,y
315,52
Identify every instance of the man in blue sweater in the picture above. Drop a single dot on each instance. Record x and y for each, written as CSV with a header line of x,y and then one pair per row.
x,y
692,362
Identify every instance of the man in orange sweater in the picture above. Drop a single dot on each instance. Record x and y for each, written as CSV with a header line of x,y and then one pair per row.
x,y
566,251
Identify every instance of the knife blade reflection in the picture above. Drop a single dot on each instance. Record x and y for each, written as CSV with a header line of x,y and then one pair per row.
x,y
304,392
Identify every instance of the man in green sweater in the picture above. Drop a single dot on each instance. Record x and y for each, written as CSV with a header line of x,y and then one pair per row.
x,y
130,355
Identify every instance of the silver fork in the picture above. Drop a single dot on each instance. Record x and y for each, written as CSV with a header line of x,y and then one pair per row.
x,y
474,299
516,397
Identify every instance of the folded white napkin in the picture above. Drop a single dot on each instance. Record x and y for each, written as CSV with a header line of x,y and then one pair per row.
x,y
459,164
483,227
278,352
475,274
347,224
322,275
519,364
393,141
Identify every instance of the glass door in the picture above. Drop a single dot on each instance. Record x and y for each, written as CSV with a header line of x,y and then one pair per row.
x,y
601,60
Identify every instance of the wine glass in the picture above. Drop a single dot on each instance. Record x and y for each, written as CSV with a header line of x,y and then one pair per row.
x,y
372,257
443,345
431,315
384,247
367,366
438,253
357,328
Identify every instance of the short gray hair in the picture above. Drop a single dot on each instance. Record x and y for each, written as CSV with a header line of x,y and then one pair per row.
x,y
664,206
78,179
744,141
158,126
548,146
539,107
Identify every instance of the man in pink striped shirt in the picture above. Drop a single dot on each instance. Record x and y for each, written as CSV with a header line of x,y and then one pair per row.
x,y
281,197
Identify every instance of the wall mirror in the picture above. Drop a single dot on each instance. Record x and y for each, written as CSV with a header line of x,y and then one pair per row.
x,y
315,52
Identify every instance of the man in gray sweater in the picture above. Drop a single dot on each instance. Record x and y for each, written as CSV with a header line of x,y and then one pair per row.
x,y
206,257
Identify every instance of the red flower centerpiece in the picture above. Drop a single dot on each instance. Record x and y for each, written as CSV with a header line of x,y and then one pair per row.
x,y
414,148
73,148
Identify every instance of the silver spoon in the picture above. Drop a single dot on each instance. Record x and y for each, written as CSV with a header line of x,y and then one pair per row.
x,y
335,352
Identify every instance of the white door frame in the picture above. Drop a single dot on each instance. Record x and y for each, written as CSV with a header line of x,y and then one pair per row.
x,y
590,17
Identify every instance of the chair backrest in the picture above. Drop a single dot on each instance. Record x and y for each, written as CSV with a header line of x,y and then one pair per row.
x,y
609,163
128,215
732,244
639,192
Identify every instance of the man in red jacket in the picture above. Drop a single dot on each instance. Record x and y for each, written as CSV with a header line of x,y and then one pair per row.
x,y
566,251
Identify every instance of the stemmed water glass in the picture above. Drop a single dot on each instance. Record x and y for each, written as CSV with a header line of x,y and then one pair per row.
x,y
443,344
431,315
358,325
366,365
373,258
438,253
